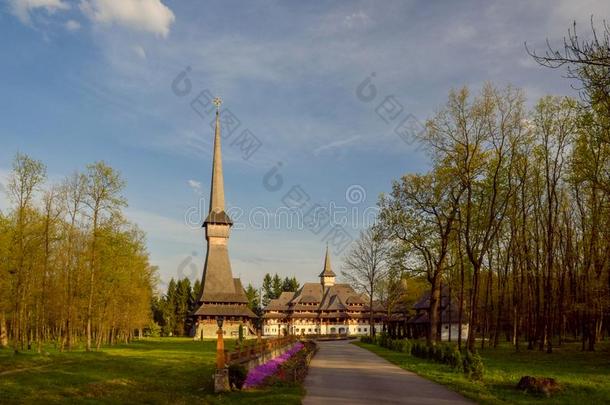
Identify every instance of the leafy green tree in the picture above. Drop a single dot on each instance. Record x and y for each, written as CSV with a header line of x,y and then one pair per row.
x,y
103,198
420,213
27,177
71,266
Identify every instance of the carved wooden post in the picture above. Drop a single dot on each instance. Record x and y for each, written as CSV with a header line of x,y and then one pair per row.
x,y
221,377
220,350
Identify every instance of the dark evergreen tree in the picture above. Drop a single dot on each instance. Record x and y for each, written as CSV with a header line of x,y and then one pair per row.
x,y
276,286
267,290
196,292
169,309
290,284
254,304
182,304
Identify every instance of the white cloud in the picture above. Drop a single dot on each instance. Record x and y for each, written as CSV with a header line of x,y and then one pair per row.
x,y
195,185
359,18
23,8
72,25
140,15
139,50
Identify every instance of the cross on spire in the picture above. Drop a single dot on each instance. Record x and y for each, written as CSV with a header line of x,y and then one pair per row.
x,y
217,102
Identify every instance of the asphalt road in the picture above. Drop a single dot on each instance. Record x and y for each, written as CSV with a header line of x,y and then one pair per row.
x,y
342,373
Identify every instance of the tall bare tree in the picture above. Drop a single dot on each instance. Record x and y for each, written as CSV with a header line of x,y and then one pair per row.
x,y
365,265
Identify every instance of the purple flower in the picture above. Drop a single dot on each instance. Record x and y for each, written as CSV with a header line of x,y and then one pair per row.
x,y
258,374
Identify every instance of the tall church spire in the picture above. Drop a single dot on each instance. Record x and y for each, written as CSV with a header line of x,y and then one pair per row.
x,y
217,190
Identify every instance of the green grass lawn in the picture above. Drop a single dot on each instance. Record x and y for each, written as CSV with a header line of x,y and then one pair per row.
x,y
585,376
162,370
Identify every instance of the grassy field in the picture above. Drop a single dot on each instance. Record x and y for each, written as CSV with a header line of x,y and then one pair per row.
x,y
163,370
585,376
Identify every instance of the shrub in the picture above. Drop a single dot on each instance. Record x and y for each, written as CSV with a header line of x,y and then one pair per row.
x,y
448,354
406,346
241,332
382,340
367,339
454,358
447,349
430,353
477,367
438,354
154,330
237,375
417,350
473,365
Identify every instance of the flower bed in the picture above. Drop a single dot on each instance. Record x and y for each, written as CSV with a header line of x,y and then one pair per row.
x,y
257,375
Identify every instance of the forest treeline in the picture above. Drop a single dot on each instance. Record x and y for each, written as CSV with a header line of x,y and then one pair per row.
x,y
73,270
514,214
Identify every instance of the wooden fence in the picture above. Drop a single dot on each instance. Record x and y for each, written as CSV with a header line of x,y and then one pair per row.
x,y
250,349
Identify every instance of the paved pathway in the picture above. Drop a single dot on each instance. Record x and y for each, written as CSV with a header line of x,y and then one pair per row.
x,y
342,373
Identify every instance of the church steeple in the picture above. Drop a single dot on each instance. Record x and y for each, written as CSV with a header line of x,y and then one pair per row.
x,y
217,192
221,294
217,280
217,212
327,277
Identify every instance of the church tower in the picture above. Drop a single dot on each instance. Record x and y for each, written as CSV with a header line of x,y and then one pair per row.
x,y
221,294
327,277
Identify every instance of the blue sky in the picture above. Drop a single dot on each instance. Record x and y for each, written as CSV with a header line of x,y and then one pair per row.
x,y
92,80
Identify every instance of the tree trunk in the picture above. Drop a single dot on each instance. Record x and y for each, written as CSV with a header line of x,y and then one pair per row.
x,y
433,315
3,331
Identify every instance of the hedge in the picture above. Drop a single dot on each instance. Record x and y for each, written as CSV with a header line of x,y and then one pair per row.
x,y
465,361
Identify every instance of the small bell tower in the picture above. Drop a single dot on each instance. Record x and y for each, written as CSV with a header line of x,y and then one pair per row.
x,y
327,277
